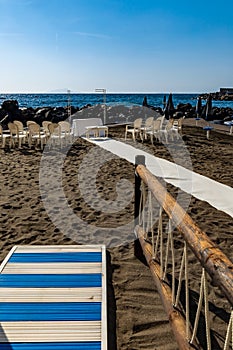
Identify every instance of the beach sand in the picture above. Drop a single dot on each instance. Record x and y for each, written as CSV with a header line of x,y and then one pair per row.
x,y
136,319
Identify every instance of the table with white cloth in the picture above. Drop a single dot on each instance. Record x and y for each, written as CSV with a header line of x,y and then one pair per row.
x,y
88,127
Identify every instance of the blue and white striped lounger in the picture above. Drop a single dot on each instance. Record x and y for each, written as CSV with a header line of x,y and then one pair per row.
x,y
53,298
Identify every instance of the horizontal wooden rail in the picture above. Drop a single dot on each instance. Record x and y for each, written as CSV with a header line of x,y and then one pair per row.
x,y
215,262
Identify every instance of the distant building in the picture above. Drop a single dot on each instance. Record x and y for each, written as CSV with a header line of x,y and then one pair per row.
x,y
226,91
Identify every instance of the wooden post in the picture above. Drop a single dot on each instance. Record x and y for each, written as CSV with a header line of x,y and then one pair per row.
x,y
139,160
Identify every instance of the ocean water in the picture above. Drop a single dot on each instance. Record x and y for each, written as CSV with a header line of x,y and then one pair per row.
x,y
80,100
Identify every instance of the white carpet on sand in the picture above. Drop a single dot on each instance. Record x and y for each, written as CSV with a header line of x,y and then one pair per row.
x,y
216,194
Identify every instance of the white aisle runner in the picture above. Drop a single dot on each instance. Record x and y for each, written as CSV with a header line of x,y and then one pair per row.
x,y
216,194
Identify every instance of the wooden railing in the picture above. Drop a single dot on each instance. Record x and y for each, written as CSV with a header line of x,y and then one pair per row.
x,y
170,266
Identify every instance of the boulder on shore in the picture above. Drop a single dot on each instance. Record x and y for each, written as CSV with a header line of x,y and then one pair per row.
x,y
10,110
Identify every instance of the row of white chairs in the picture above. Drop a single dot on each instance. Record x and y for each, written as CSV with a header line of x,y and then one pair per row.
x,y
158,128
58,133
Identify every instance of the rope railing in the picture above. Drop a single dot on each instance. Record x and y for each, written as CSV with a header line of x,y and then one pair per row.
x,y
170,266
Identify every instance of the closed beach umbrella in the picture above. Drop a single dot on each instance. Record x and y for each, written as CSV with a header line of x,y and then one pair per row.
x,y
164,101
198,106
144,103
169,109
208,111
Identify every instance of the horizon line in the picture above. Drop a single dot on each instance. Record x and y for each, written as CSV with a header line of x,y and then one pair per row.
x,y
100,93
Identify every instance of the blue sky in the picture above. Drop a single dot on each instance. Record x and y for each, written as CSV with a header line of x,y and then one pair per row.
x,y
120,45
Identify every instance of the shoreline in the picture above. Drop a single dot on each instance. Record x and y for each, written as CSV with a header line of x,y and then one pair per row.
x,y
118,114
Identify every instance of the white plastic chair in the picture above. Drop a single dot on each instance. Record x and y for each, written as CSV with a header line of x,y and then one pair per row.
x,y
35,134
45,127
66,130
56,136
169,132
178,123
15,135
155,132
20,127
136,130
148,126
4,137
30,122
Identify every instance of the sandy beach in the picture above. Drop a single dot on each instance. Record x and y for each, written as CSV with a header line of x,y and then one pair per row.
x,y
136,317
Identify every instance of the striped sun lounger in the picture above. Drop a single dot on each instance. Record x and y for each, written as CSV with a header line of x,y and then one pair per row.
x,y
53,298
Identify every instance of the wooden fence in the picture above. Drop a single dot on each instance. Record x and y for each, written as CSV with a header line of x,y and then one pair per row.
x,y
170,241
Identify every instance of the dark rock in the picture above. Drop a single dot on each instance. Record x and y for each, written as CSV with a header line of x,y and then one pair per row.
x,y
10,106
184,107
178,115
228,119
42,111
158,110
11,109
218,96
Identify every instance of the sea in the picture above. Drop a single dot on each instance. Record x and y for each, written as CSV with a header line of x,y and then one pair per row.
x,y
81,99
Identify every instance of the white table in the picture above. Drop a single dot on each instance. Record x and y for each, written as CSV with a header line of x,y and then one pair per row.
x,y
79,125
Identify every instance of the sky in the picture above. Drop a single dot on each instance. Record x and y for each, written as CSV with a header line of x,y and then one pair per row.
x,y
119,45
